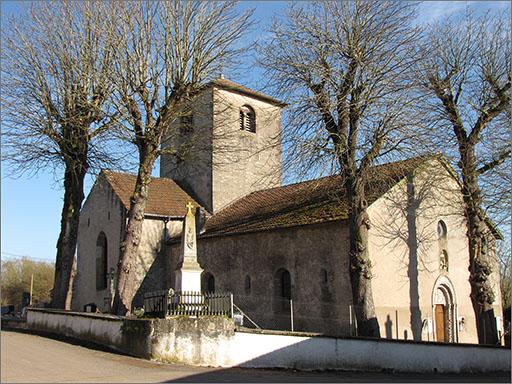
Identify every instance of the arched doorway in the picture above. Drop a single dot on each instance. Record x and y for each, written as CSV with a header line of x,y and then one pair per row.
x,y
444,308
282,290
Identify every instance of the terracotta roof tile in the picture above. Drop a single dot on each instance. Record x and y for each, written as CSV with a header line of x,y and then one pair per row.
x,y
309,202
166,198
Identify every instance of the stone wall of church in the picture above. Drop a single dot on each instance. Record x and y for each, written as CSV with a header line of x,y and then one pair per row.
x,y
309,253
410,273
152,266
101,212
104,212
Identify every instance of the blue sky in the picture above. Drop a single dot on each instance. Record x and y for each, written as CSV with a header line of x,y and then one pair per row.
x,y
30,207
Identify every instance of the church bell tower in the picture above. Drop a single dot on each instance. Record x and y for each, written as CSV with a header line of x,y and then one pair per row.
x,y
229,145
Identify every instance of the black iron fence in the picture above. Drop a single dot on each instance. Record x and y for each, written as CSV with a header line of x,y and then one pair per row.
x,y
156,303
169,303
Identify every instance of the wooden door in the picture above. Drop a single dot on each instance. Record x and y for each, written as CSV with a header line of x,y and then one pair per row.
x,y
440,326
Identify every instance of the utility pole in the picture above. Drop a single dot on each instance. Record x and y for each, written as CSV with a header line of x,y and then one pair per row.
x,y
291,313
31,288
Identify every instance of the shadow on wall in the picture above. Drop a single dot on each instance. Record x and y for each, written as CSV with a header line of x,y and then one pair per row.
x,y
389,327
410,245
413,204
155,278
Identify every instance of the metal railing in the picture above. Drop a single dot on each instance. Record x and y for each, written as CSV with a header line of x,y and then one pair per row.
x,y
169,303
156,303
244,315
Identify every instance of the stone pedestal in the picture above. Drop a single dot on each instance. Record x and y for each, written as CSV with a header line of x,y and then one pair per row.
x,y
188,274
188,278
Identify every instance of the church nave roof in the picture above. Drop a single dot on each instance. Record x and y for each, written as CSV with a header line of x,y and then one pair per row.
x,y
309,202
165,198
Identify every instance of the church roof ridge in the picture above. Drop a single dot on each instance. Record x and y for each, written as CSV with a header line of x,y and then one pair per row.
x,y
112,171
420,158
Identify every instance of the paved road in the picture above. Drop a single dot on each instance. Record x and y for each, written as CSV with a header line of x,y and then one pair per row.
x,y
29,358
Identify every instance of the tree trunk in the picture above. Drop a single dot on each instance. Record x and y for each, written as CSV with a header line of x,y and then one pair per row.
x,y
66,244
127,281
482,295
69,298
360,264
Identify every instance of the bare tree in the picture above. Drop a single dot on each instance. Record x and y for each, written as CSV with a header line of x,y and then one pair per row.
x,y
56,64
465,83
169,50
343,65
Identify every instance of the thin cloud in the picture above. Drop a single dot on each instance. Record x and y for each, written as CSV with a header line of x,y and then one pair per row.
x,y
431,11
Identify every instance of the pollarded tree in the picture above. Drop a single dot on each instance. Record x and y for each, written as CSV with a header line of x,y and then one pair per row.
x,y
168,51
343,64
464,79
56,69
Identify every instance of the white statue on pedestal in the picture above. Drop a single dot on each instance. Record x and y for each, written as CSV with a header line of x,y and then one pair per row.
x,y
188,274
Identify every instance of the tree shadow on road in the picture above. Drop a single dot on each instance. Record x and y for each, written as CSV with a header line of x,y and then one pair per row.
x,y
259,375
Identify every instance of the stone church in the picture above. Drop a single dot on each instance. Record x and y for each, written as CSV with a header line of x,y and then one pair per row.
x,y
282,250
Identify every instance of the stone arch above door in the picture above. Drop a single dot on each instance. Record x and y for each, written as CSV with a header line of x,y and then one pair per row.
x,y
444,308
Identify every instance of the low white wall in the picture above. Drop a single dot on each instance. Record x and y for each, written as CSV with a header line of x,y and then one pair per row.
x,y
268,350
99,329
261,350
213,342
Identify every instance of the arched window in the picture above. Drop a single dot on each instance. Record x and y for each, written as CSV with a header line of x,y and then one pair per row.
x,y
247,119
441,230
283,286
323,276
211,283
101,262
208,282
247,285
443,245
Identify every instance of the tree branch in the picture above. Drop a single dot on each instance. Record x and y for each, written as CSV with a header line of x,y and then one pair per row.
x,y
495,162
503,101
322,103
444,93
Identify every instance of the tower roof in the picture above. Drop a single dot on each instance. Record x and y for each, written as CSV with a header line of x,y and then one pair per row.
x,y
239,88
